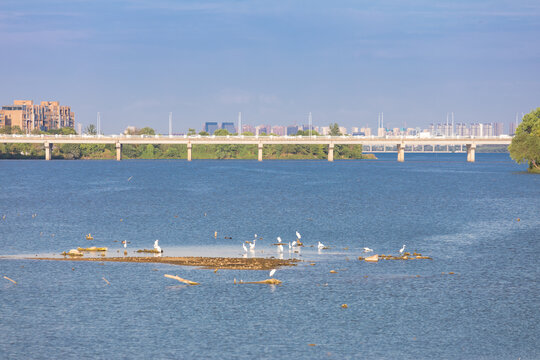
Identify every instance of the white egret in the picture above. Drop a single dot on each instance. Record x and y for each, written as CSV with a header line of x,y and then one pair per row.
x,y
298,236
156,246
272,272
252,245
402,250
294,243
278,239
320,246
244,246
125,243
280,248
366,250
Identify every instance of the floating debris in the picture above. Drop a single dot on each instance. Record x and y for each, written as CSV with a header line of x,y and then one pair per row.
x,y
13,281
312,345
153,251
89,237
185,281
267,282
333,272
107,281
93,248
344,306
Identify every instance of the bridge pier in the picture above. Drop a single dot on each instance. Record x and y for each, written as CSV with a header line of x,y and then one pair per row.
x,y
331,152
471,150
118,151
260,152
189,145
400,152
48,150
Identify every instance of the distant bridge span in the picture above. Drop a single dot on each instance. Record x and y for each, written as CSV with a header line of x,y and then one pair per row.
x,y
399,142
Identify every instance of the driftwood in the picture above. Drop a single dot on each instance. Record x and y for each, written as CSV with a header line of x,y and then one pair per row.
x,y
185,281
13,281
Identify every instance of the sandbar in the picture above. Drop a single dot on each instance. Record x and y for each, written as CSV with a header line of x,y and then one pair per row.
x,y
205,262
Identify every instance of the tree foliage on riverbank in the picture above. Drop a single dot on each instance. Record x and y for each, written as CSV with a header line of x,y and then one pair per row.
x,y
525,145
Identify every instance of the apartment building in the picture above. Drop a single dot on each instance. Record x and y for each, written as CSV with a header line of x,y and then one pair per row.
x,y
29,116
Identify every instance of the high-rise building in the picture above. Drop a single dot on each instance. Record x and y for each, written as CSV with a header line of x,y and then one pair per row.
x,y
512,128
498,129
292,129
279,130
229,126
210,127
28,116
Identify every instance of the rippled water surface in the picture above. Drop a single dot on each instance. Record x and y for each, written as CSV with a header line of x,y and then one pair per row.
x,y
465,216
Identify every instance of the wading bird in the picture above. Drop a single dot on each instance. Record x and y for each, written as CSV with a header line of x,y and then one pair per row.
x,y
156,246
298,236
366,250
402,250
252,245
244,246
320,246
272,272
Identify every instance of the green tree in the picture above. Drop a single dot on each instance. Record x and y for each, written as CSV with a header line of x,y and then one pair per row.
x,y
334,130
70,151
525,146
62,131
191,131
91,130
306,132
247,133
148,152
146,131
222,132
203,133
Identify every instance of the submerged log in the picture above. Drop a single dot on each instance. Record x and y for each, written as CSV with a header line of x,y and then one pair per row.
x,y
267,281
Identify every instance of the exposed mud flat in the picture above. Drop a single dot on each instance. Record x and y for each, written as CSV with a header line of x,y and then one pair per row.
x,y
205,262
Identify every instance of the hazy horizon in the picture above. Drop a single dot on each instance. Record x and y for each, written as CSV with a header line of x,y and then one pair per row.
x,y
346,61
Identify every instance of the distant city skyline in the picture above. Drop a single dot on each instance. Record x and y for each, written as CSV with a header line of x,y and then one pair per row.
x,y
135,61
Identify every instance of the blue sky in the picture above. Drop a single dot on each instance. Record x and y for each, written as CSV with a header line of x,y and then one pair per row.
x,y
135,61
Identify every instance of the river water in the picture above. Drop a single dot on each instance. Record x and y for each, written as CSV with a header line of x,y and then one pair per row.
x,y
465,216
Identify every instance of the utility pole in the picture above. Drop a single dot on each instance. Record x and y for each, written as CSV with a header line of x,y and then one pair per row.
x,y
98,124
240,123
170,124
452,123
309,120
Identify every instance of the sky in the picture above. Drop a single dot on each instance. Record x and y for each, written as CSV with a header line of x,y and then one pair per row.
x,y
345,61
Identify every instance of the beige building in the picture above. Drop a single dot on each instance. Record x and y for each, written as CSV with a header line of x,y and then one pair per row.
x,y
29,116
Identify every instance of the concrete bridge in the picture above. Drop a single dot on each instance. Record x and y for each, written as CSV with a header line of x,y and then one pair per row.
x,y
400,143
